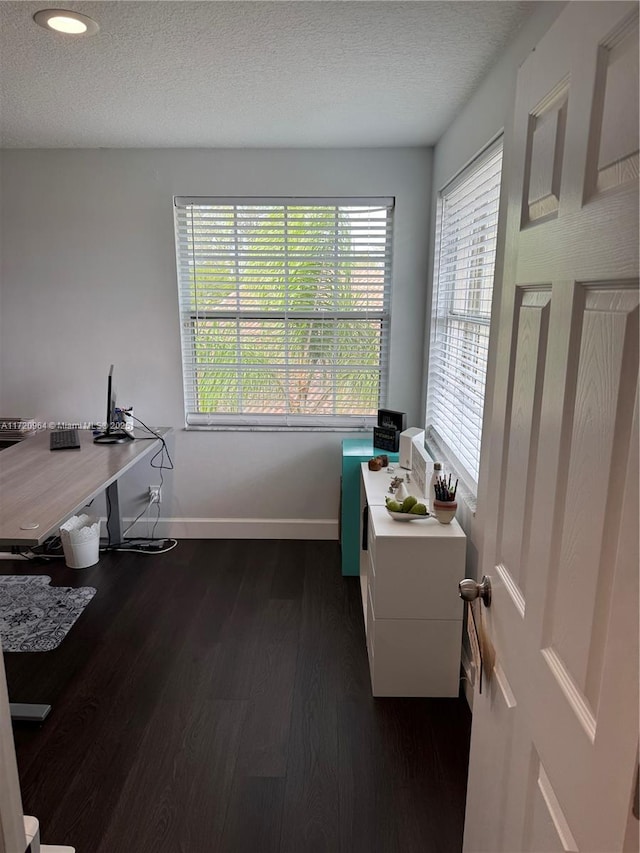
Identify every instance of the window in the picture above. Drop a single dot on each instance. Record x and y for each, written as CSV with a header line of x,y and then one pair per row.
x,y
285,310
466,232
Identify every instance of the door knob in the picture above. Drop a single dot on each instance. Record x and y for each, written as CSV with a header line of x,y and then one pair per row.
x,y
470,590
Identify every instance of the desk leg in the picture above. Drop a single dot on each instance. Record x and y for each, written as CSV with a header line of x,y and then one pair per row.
x,y
114,520
28,712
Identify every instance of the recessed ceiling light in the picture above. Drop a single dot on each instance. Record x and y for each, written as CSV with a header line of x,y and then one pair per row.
x,y
63,21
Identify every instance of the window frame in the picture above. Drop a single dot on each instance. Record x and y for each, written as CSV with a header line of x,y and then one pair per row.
x,y
442,446
199,420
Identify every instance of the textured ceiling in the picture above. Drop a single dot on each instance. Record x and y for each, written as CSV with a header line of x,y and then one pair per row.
x,y
246,74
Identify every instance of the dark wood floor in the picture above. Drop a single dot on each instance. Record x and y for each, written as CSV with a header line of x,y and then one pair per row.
x,y
217,699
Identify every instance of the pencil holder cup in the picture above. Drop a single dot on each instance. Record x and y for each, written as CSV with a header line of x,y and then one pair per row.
x,y
444,511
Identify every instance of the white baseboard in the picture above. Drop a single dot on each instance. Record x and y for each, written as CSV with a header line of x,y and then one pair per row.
x,y
241,528
467,683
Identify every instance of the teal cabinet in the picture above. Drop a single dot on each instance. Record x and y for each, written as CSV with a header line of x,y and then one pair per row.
x,y
354,452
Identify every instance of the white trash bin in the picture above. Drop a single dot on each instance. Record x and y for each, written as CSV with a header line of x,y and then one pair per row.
x,y
80,537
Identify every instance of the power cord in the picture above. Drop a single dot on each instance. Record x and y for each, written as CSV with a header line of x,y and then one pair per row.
x,y
138,517
136,546
150,544
160,467
18,554
151,547
161,453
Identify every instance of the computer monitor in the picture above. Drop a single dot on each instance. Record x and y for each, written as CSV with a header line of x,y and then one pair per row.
x,y
114,433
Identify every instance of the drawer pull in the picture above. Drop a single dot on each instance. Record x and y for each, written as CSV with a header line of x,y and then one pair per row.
x,y
365,528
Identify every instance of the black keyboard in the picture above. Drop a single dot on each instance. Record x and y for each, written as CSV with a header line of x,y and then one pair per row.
x,y
64,439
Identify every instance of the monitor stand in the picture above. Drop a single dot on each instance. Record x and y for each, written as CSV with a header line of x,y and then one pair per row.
x,y
116,436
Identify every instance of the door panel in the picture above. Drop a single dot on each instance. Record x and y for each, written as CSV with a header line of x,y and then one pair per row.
x,y
545,826
532,323
613,158
544,156
580,573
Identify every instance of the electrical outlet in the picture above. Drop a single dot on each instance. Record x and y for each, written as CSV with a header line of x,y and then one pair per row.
x,y
155,494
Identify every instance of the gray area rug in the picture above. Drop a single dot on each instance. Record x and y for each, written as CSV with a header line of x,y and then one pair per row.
x,y
35,617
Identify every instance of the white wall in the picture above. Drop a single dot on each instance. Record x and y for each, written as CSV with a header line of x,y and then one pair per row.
x,y
485,115
88,278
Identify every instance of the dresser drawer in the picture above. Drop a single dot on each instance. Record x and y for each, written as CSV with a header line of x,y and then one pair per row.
x,y
414,657
417,566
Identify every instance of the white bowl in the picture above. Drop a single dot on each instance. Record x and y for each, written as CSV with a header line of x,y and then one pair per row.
x,y
406,516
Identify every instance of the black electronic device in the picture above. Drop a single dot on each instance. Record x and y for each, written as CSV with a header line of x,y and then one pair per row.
x,y
386,438
392,420
64,439
114,432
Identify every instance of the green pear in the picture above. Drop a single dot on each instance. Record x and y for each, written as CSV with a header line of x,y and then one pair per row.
x,y
418,509
409,502
394,506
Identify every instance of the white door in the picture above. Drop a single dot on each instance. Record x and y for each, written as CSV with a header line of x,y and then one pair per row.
x,y
554,747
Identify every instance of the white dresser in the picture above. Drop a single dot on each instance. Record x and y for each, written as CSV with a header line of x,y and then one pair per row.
x,y
409,576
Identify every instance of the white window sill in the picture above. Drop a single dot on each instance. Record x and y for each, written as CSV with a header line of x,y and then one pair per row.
x,y
244,428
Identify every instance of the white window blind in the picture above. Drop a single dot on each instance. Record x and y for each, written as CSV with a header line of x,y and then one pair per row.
x,y
285,309
466,233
